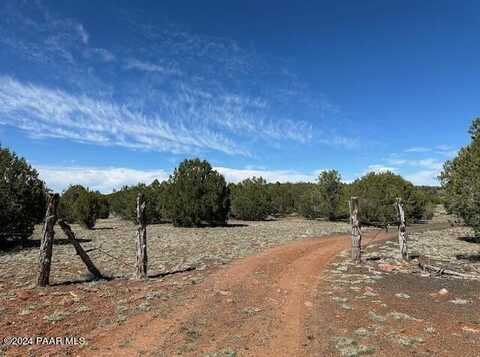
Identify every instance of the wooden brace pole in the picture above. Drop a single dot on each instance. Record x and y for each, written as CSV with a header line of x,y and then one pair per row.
x,y
142,259
402,230
356,230
78,248
46,245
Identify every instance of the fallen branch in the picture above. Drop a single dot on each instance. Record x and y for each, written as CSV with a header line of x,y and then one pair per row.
x,y
442,271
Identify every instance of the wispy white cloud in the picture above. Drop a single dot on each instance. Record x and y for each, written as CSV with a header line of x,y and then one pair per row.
x,y
100,179
424,177
237,175
418,149
340,141
44,112
421,165
218,96
101,54
443,150
377,168
106,179
136,64
84,36
428,163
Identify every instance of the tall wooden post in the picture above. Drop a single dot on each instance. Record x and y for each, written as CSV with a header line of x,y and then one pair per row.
x,y
78,248
356,230
46,245
141,238
402,230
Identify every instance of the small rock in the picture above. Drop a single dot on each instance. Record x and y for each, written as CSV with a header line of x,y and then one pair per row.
x,y
459,302
339,299
401,316
402,296
23,295
443,291
361,332
387,267
375,317
308,304
471,330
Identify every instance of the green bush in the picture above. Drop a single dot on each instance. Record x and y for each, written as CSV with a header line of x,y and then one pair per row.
x,y
461,181
282,198
377,193
78,205
86,209
66,206
197,195
309,203
123,203
103,206
22,197
330,194
251,199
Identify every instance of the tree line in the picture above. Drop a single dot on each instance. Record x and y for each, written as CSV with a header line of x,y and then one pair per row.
x,y
197,195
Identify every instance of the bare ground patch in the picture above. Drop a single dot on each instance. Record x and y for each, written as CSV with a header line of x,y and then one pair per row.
x,y
73,307
386,307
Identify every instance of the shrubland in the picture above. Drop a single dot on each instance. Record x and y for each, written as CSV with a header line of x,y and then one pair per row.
x,y
79,205
252,199
378,192
197,195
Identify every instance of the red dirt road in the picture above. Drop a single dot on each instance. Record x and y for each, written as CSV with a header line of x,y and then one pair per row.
x,y
257,306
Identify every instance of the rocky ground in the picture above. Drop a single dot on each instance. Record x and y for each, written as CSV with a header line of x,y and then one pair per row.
x,y
111,246
389,307
75,305
304,297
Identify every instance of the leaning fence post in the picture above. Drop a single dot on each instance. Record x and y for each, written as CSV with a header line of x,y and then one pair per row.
x,y
402,229
46,245
356,231
141,238
79,250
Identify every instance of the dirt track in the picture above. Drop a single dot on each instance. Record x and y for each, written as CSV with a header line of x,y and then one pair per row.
x,y
257,306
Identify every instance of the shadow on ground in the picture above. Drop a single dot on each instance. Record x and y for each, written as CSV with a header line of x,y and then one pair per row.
x,y
34,243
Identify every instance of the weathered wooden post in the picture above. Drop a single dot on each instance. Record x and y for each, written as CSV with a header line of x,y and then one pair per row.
x,y
46,245
141,238
402,230
78,248
356,230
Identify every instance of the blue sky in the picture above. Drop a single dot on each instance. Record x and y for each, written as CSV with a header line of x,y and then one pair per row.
x,y
111,93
